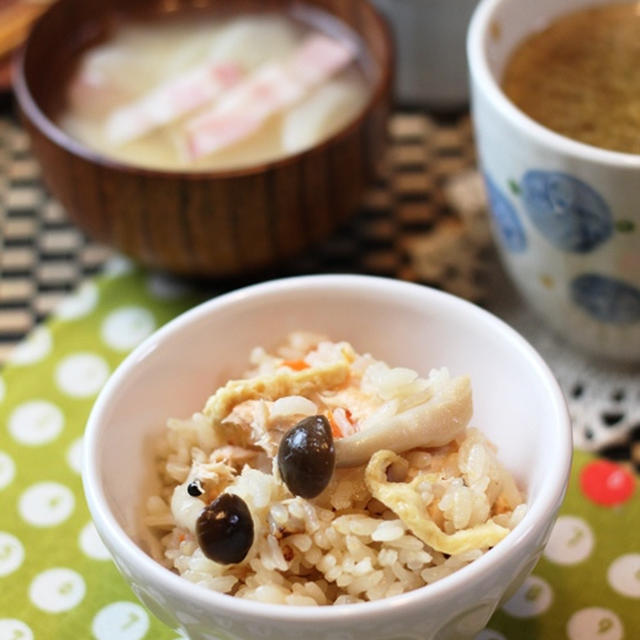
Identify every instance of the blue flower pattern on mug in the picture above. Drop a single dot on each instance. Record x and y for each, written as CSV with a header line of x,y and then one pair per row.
x,y
606,299
568,212
506,218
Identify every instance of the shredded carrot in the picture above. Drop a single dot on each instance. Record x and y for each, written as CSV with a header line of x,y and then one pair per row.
x,y
335,429
296,365
182,537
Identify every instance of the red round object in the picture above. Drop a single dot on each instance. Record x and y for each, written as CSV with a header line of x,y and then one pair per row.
x,y
606,483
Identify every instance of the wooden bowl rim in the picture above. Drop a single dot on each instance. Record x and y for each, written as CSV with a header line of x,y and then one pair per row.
x,y
31,111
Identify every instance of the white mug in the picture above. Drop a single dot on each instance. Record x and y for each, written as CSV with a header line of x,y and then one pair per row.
x,y
566,215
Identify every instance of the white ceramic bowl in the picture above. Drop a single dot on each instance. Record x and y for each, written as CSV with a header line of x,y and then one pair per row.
x,y
518,404
565,214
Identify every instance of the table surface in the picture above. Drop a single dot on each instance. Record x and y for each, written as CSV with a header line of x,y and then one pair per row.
x,y
424,221
406,228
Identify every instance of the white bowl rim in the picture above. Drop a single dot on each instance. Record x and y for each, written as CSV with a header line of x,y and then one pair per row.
x,y
480,71
550,495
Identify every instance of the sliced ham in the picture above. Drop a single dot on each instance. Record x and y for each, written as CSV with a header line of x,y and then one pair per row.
x,y
171,101
271,89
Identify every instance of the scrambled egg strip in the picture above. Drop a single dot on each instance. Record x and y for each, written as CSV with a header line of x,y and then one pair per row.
x,y
404,500
271,387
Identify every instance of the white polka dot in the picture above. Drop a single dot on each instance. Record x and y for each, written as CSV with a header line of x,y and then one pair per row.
x,y
11,553
74,455
46,504
571,541
166,287
3,389
531,599
121,621
36,422
57,590
79,303
35,348
12,629
7,470
81,374
91,544
127,327
594,623
489,634
624,575
116,266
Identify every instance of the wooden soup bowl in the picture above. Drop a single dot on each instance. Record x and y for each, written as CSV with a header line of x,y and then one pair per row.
x,y
206,223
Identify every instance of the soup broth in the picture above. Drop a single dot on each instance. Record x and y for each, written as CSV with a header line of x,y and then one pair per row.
x,y
580,76
213,93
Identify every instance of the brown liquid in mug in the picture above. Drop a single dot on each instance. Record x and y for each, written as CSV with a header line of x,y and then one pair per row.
x,y
580,76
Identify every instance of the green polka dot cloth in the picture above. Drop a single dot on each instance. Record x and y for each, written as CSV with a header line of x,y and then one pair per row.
x,y
56,578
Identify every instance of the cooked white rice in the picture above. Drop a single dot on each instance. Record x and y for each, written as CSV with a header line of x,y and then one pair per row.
x,y
345,546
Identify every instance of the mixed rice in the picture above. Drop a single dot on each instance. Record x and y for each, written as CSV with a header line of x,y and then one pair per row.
x,y
413,494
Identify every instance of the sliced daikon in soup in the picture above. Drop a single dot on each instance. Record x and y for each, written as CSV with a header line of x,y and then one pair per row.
x,y
254,40
326,110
